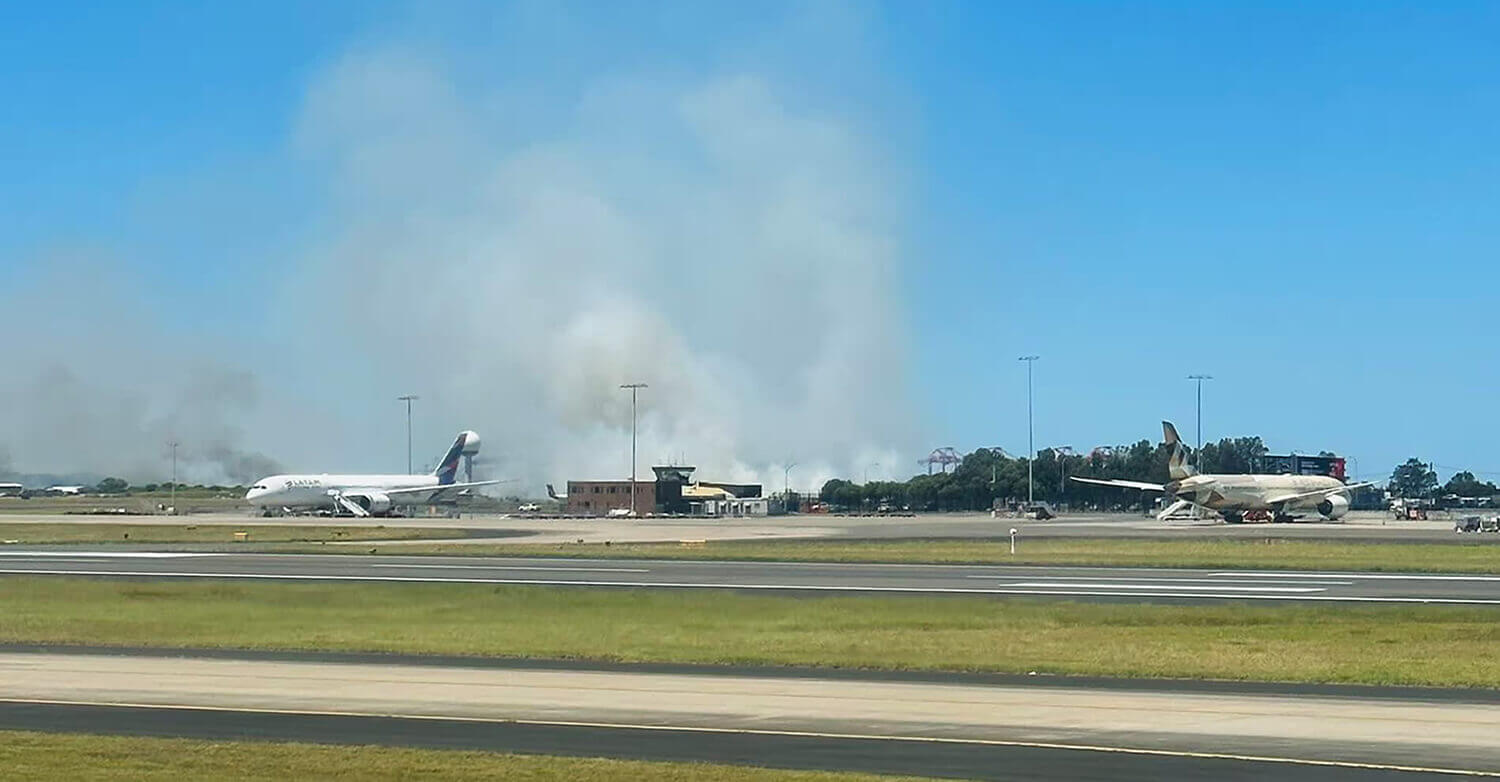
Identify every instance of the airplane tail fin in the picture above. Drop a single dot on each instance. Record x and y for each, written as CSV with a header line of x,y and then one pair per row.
x,y
467,444
1177,464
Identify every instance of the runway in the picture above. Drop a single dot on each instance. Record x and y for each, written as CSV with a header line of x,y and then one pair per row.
x,y
1089,583
1359,526
937,728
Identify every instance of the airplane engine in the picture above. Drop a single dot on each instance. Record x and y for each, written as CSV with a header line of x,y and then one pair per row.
x,y
374,504
1333,506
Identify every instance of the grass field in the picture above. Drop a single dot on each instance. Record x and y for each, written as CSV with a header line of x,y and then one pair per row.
x,y
43,756
1479,556
1426,645
208,533
188,501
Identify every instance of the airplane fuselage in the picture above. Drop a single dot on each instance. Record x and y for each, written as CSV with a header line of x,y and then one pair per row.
x,y
1252,492
317,491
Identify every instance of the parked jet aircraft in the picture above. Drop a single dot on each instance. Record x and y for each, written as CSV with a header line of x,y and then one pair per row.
x,y
1232,495
367,495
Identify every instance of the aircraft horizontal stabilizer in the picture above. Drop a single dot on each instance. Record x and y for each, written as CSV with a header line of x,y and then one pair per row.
x,y
1119,483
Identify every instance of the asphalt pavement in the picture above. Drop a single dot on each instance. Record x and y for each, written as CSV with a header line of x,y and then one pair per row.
x,y
1091,583
940,728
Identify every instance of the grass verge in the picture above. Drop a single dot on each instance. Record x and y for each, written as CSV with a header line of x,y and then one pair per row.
x,y
26,755
1476,556
1411,645
210,533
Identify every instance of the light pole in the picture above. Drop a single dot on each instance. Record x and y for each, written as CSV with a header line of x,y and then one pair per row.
x,y
1030,435
408,400
1199,379
786,485
634,388
174,477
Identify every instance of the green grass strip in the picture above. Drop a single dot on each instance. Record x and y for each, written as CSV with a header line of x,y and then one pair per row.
x,y
36,756
23,533
1450,646
1474,555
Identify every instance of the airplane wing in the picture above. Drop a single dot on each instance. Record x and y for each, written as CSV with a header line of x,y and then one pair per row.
x,y
1307,495
436,489
1120,484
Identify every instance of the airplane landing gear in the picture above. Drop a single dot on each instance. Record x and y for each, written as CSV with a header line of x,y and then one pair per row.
x,y
1283,518
1233,517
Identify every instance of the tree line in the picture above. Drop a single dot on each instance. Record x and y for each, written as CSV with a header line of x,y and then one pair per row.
x,y
987,476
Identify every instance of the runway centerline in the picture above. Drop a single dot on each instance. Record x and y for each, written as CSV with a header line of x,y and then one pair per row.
x,y
522,567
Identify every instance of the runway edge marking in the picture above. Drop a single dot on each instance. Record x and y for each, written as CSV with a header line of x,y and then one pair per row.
x,y
783,733
761,587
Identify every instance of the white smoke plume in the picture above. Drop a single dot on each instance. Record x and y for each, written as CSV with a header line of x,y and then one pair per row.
x,y
736,255
734,247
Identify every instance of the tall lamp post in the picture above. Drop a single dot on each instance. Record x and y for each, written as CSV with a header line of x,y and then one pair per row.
x,y
1199,379
786,487
174,477
408,400
634,389
1030,435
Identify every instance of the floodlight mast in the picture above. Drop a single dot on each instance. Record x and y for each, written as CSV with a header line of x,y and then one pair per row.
x,y
1199,379
408,398
1030,434
634,388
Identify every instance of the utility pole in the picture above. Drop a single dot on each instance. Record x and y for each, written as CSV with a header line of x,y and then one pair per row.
x,y
634,388
1199,379
408,400
786,486
867,470
174,476
1030,434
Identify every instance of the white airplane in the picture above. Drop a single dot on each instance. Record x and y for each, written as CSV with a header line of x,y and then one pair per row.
x,y
366,495
1232,495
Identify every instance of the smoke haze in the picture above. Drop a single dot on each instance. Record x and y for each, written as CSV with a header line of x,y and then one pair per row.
x,y
513,262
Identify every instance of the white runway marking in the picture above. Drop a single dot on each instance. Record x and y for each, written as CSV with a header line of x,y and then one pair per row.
x,y
1184,587
1363,576
105,554
526,567
790,733
992,577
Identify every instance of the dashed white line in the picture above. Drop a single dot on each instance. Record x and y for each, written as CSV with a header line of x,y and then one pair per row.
x,y
1362,576
106,554
1182,587
524,567
1093,579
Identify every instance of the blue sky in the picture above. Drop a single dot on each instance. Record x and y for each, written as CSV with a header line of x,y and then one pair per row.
x,y
1297,199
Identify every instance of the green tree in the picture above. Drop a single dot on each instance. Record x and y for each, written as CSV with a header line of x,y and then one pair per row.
x,y
1464,484
1414,479
112,486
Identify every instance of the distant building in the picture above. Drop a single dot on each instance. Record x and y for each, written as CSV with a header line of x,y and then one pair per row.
x,y
600,497
1297,464
672,492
